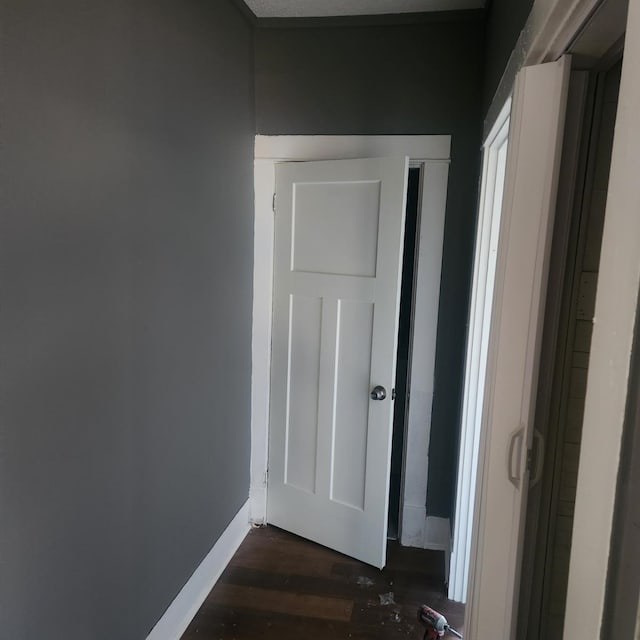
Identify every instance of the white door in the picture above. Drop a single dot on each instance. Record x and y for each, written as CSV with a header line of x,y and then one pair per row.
x,y
533,158
338,250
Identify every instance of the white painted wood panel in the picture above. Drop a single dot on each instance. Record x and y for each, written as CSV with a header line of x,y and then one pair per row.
x,y
319,210
303,148
326,8
416,529
305,326
351,416
535,136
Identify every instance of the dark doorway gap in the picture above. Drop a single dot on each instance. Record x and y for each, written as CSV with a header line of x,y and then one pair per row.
x,y
404,342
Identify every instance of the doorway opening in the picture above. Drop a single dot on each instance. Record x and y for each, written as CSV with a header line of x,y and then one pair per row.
x,y
404,350
430,156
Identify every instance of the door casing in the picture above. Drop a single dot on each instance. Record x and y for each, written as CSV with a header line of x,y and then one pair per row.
x,y
432,155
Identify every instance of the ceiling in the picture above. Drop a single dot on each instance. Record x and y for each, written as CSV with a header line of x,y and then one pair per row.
x,y
326,8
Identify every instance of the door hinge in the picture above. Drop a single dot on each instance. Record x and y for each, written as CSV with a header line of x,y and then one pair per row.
x,y
273,204
393,394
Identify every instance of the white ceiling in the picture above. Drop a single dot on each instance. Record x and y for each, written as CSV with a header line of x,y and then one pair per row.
x,y
325,8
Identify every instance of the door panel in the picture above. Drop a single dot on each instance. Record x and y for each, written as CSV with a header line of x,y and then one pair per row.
x,y
354,339
319,210
339,231
304,372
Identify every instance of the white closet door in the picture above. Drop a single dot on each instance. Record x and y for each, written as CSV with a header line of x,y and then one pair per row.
x,y
533,158
338,253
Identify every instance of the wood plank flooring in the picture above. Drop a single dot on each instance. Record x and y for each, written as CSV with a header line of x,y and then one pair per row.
x,y
281,587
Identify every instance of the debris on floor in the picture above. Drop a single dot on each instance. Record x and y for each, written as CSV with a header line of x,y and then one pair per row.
x,y
363,581
386,599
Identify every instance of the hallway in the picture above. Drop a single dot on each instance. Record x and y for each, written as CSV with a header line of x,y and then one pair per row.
x,y
279,586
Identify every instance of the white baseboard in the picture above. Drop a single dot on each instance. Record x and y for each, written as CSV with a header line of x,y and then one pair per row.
x,y
412,526
437,534
183,609
426,532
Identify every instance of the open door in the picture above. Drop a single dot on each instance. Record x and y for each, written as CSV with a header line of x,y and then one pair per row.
x,y
337,267
533,159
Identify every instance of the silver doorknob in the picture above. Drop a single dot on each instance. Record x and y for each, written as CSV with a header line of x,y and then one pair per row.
x,y
378,393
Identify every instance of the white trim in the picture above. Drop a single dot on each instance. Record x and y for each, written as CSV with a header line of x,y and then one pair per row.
x,y
437,536
412,524
264,184
554,25
493,176
423,349
550,29
300,148
184,607
609,362
334,8
430,152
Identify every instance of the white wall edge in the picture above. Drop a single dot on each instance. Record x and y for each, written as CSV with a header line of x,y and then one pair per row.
x,y
433,153
184,607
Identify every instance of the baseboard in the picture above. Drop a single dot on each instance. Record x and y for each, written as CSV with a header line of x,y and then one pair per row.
x,y
412,526
437,534
182,610
426,532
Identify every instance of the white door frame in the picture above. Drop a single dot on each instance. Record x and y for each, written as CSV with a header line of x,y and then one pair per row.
x,y
493,175
432,154
609,361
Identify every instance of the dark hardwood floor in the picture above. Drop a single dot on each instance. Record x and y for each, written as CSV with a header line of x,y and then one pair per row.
x,y
281,587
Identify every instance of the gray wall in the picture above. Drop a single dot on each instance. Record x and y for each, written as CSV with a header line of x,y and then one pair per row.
x,y
505,21
400,79
126,281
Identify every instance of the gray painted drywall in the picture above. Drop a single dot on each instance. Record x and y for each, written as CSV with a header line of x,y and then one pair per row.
x,y
126,233
399,79
505,21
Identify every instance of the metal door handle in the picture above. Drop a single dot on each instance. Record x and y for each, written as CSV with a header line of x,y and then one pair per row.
x,y
378,393
517,438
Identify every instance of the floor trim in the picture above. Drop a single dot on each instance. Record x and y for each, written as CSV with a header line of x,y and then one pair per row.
x,y
182,610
